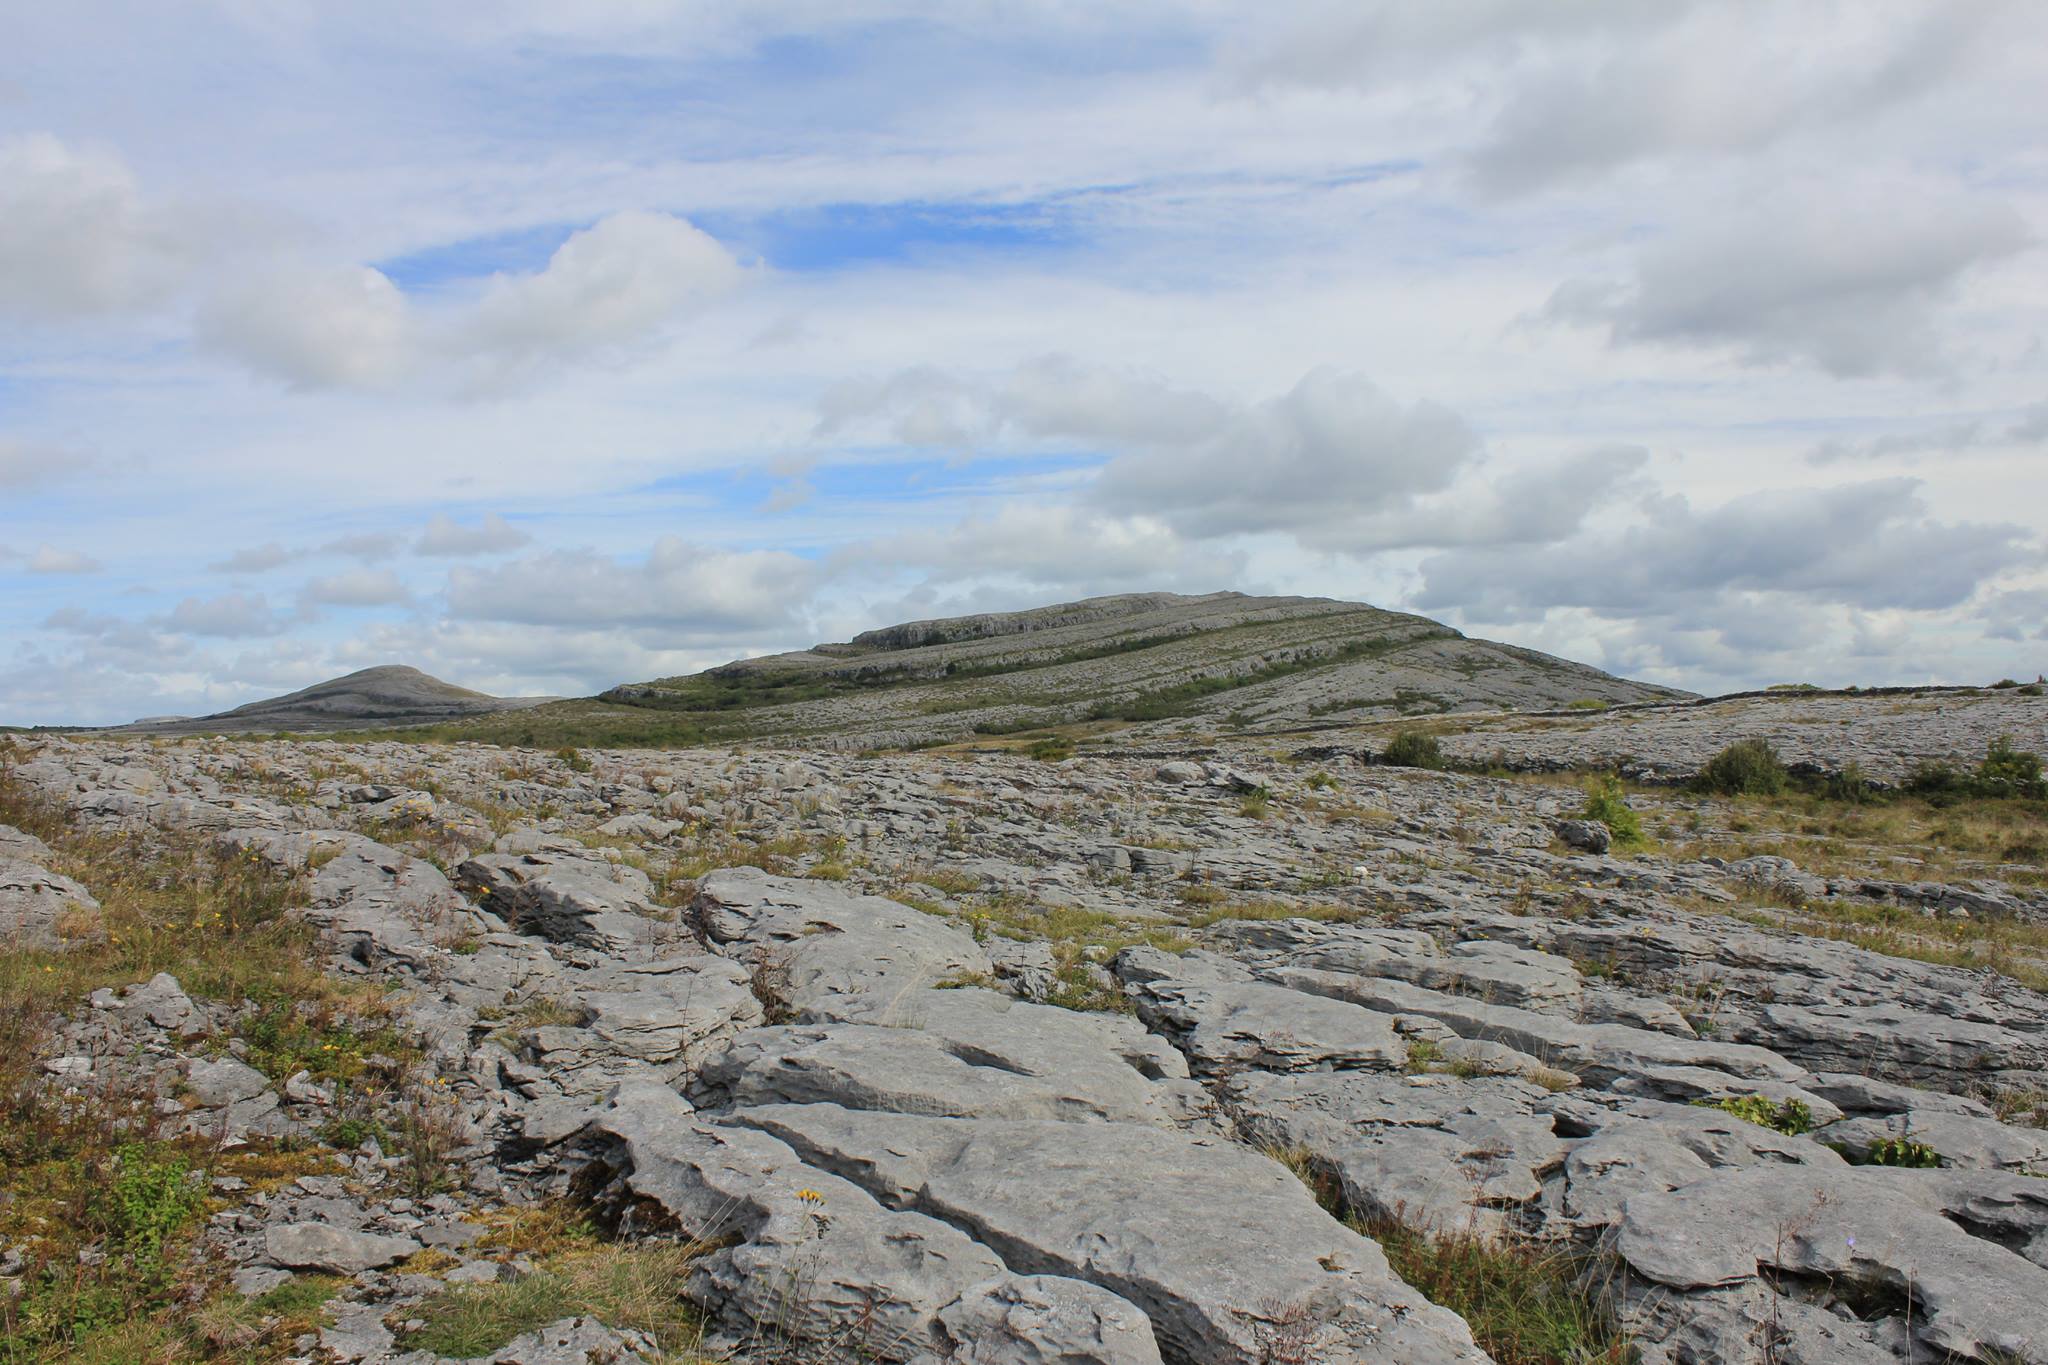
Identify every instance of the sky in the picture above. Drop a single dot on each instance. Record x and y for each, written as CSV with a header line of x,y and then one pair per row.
x,y
545,347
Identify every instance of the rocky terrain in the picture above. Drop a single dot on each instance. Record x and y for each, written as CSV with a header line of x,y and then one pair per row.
x,y
1240,1050
371,698
1220,660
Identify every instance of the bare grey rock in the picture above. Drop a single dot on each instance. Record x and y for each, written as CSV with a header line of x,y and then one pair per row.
x,y
338,1251
1045,1320
38,906
1216,1244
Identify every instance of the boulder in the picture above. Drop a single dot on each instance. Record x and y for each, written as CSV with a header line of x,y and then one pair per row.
x,y
337,1251
41,909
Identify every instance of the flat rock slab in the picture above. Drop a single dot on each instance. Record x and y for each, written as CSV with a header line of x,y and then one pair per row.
x,y
1970,1294
1224,1250
833,954
976,1055
1435,1152
1228,1026
318,1246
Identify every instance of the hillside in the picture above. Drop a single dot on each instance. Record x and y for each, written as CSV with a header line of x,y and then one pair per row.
x,y
1199,663
391,695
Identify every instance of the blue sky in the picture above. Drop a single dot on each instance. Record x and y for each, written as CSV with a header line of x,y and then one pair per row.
x,y
548,347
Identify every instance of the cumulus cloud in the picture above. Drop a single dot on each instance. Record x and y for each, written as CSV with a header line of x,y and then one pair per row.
x,y
1871,545
76,237
1330,449
27,465
1850,282
1695,83
679,587
230,616
1335,460
614,284
315,326
357,588
48,559
1057,548
2027,427
257,559
447,538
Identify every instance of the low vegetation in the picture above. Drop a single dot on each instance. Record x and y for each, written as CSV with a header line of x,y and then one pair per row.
x,y
1608,804
1414,749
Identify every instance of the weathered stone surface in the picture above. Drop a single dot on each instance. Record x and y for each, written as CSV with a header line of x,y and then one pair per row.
x,y
813,1254
1847,1224
566,897
38,907
1435,1152
1590,836
1598,1051
972,1054
338,1251
1228,1026
1213,1242
833,954
1045,1320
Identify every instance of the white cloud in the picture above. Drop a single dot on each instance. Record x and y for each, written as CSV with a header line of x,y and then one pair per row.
x,y
357,588
679,587
1871,545
257,559
315,326
613,284
448,538
229,616
48,559
76,238
26,466
1849,281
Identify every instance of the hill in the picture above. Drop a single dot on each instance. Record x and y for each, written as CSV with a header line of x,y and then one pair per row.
x,y
391,695
1218,661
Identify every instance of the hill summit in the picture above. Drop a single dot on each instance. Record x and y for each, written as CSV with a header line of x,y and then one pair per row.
x,y
388,695
1213,661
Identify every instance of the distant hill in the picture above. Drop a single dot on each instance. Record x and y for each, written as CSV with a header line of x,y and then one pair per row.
x,y
1173,663
374,698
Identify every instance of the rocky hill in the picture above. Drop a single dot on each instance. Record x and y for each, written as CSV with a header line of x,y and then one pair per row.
x,y
1176,663
372,698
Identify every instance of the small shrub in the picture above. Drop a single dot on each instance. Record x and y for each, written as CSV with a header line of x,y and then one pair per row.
x,y
1748,767
1052,749
1586,704
1320,781
1899,1151
2009,771
1256,804
1414,749
1790,1117
151,1198
573,761
1606,804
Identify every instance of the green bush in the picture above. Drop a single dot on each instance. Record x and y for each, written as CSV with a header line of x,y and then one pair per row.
x,y
1748,767
2009,771
1052,749
1900,1151
1790,1117
151,1197
1607,804
2004,772
1414,749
